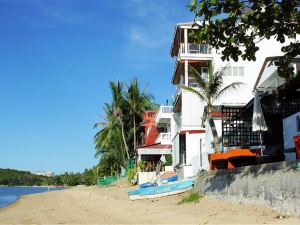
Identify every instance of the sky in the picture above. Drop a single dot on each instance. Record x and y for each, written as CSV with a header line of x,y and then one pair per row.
x,y
56,59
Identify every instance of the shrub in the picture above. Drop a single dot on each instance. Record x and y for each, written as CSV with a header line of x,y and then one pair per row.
x,y
168,160
131,173
192,197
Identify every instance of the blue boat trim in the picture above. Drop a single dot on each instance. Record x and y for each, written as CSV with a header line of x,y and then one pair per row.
x,y
173,186
170,179
147,185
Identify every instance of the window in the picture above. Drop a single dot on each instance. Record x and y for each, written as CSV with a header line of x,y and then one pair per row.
x,y
241,71
204,73
182,149
233,71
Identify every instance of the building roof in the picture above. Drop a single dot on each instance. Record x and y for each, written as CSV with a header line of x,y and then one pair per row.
x,y
176,35
155,149
269,79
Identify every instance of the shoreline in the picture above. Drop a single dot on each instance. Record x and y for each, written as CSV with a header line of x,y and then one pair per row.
x,y
98,205
12,205
51,186
23,196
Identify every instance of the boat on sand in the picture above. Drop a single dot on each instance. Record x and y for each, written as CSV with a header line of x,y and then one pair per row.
x,y
171,188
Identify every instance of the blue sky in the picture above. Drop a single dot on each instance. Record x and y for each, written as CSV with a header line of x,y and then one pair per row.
x,y
56,58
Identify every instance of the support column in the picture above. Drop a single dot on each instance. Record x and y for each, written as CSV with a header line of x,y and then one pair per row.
x,y
186,72
185,41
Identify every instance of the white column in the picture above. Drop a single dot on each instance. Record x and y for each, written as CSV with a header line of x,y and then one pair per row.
x,y
186,73
185,40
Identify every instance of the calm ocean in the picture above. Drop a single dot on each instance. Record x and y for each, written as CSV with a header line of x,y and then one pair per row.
x,y
9,195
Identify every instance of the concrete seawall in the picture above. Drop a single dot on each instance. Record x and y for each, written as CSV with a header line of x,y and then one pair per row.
x,y
276,185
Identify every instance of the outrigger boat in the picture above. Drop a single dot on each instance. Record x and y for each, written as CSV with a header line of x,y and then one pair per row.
x,y
161,190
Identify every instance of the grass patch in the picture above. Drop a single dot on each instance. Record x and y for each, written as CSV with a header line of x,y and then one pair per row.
x,y
193,197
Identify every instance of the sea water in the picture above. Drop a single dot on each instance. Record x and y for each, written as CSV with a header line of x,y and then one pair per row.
x,y
9,195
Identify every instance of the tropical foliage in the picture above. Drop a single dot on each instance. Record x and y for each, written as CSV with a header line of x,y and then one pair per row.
x,y
120,133
12,177
209,90
230,25
88,177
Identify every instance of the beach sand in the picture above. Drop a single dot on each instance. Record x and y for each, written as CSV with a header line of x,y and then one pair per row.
x,y
94,205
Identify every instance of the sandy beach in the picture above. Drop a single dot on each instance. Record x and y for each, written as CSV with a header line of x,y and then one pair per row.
x,y
94,205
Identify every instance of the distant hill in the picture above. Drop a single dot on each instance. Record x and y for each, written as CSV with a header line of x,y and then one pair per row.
x,y
12,177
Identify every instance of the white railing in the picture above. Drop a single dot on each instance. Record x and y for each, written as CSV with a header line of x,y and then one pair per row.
x,y
163,112
194,85
164,139
193,48
165,109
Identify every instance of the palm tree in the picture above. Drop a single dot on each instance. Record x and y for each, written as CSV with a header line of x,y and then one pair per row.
x,y
138,102
119,105
209,91
108,141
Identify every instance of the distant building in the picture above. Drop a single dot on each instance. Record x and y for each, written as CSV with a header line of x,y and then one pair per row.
x,y
45,173
48,174
38,173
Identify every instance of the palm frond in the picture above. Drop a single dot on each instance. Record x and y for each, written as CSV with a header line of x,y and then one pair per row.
x,y
198,77
198,93
230,87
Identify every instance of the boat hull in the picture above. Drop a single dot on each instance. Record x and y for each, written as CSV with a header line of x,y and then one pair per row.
x,y
162,190
138,197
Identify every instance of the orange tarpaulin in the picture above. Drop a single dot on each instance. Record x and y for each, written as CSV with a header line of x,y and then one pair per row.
x,y
225,160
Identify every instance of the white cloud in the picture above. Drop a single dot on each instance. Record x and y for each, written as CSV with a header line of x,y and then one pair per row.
x,y
60,13
149,29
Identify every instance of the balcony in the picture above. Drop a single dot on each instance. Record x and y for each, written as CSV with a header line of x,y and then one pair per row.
x,y
163,116
164,139
195,51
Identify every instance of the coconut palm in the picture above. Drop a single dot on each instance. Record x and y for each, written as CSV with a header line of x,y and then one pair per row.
x,y
138,102
108,141
119,126
119,104
209,90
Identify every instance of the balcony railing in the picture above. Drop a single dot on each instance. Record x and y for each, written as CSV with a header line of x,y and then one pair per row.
x,y
164,114
193,48
164,139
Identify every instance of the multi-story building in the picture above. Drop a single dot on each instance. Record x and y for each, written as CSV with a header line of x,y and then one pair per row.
x,y
191,140
157,140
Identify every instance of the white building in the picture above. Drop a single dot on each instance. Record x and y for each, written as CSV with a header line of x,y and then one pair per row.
x,y
191,141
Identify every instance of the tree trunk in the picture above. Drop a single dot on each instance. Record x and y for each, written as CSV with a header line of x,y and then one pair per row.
x,y
124,139
134,135
214,132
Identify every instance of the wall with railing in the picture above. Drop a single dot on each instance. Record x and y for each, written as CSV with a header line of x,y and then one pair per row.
x,y
194,48
164,139
164,112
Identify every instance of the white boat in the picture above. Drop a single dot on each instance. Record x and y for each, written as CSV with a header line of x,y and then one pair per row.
x,y
171,188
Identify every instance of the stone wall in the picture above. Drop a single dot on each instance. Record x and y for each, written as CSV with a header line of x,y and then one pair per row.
x,y
276,185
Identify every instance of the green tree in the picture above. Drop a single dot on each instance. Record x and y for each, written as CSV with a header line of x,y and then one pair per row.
x,y
209,91
138,102
119,106
230,25
109,142
120,128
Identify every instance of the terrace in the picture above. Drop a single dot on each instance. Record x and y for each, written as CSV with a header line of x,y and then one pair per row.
x,y
163,116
